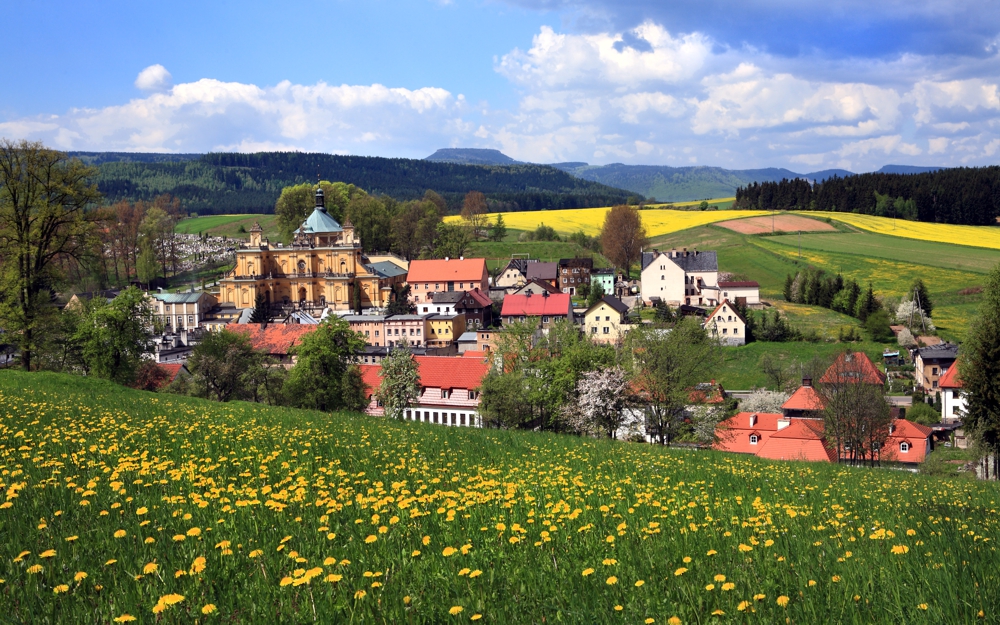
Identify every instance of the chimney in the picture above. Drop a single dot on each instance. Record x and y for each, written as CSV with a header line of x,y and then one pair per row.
x,y
673,252
685,252
545,293
461,258
753,420
807,381
446,259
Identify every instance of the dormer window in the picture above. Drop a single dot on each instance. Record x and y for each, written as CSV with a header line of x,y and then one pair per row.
x,y
753,439
904,447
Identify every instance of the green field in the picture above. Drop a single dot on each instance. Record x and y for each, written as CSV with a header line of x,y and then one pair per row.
x,y
229,225
170,509
891,264
499,254
740,369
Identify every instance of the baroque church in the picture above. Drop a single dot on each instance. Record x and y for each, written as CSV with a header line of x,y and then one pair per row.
x,y
321,268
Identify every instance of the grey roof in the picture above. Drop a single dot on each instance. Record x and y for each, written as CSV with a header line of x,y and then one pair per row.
x,y
245,315
577,262
615,303
521,264
385,269
943,351
542,271
406,317
177,298
363,318
319,221
601,272
447,297
545,286
467,337
443,317
303,318
688,261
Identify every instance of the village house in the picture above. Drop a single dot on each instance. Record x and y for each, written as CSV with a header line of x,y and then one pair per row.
x,y
426,277
415,328
444,330
76,300
546,309
323,267
276,339
607,320
371,326
515,274
475,305
181,311
680,278
746,292
604,277
931,363
573,272
536,287
952,395
449,390
486,340
727,325
390,275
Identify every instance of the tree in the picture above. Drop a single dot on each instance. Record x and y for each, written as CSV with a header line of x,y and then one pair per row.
x,y
499,229
666,365
400,304
224,365
623,237
453,240
763,400
43,197
662,313
979,368
857,415
261,311
604,399
474,211
878,328
414,228
372,221
353,391
157,229
116,336
296,203
324,355
356,297
777,373
400,385
147,269
787,290
594,294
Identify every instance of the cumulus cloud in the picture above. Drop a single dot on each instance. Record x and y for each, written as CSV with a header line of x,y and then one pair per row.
x,y
154,78
214,115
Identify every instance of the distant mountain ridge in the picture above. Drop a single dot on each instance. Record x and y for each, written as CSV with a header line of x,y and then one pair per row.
x,y
661,182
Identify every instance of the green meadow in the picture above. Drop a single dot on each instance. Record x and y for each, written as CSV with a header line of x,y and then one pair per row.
x,y
228,225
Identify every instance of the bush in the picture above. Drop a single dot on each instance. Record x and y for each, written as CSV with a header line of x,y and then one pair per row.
x,y
877,325
923,414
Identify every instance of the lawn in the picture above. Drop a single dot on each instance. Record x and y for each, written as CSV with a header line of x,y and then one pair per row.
x,y
121,504
499,254
740,369
229,226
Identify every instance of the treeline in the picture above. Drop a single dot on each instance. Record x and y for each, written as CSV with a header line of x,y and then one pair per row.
x,y
251,183
962,195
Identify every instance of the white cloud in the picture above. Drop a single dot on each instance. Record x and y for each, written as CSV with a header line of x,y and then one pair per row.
x,y
957,96
889,144
938,145
154,78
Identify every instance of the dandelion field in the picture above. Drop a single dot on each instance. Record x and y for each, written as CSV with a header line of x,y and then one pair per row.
x,y
120,505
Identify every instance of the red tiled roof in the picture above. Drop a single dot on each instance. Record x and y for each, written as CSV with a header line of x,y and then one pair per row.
x,y
804,398
951,378
481,298
914,434
446,372
536,305
276,339
172,370
744,284
474,353
853,363
714,394
468,270
801,440
734,433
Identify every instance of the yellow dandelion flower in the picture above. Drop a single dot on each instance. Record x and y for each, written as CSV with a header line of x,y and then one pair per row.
x,y
70,539
720,577
610,539
475,617
728,586
710,587
360,594
120,534
141,511
649,620
448,551
285,581
80,576
609,561
922,606
911,532
900,549
759,597
406,600
743,605
782,600
110,562
124,618
639,583
50,553
60,588
149,540
426,540
416,552
717,612
208,608
376,584
768,543
711,552
835,578
198,565
673,620
464,572
611,581
179,573
618,608
680,571
687,560
475,573
812,582
171,599
587,572
194,531
370,539
745,548
150,568
333,578
457,609
179,537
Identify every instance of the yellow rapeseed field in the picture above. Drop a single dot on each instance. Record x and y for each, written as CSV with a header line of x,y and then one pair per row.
x,y
976,236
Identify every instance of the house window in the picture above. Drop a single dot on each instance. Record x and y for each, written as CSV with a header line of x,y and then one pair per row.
x,y
444,394
376,332
366,332
472,394
753,439
934,370
545,319
607,330
904,447
593,330
725,330
190,319
736,330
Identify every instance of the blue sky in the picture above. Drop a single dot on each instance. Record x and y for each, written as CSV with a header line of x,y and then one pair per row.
x,y
740,84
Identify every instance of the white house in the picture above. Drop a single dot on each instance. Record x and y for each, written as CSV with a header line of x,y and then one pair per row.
x,y
952,395
727,325
734,291
680,277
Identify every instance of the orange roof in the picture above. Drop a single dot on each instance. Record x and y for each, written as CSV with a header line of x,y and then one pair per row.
x,y
857,365
557,304
468,270
734,433
951,378
276,338
801,440
474,353
804,398
171,370
446,372
914,434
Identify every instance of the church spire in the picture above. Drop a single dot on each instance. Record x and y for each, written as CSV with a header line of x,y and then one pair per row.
x,y
320,200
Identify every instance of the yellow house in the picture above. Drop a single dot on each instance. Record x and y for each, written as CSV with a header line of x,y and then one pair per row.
x,y
321,268
605,321
444,330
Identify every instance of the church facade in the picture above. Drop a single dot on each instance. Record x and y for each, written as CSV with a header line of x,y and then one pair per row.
x,y
321,268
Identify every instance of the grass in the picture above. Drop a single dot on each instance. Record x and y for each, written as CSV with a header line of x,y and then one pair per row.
x,y
119,501
740,369
229,225
499,254
974,236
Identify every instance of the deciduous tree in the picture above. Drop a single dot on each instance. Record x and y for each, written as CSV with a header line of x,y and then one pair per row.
x,y
324,356
116,336
400,385
474,211
979,367
43,196
857,415
623,237
296,203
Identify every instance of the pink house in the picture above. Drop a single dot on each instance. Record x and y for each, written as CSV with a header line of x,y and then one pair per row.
x,y
449,390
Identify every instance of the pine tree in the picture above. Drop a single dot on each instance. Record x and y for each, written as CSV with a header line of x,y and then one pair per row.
x,y
980,372
260,313
499,230
788,287
923,296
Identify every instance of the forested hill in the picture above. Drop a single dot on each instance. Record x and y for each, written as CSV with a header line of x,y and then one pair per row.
x,y
251,183
963,195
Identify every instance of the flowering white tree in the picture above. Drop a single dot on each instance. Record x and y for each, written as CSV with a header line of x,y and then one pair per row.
x,y
910,315
603,399
400,383
764,401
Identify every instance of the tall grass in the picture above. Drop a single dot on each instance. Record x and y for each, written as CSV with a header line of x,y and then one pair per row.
x,y
303,517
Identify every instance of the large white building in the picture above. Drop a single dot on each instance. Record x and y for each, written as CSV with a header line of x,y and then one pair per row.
x,y
680,278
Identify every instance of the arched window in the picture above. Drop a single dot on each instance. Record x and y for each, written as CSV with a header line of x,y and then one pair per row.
x,y
302,266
